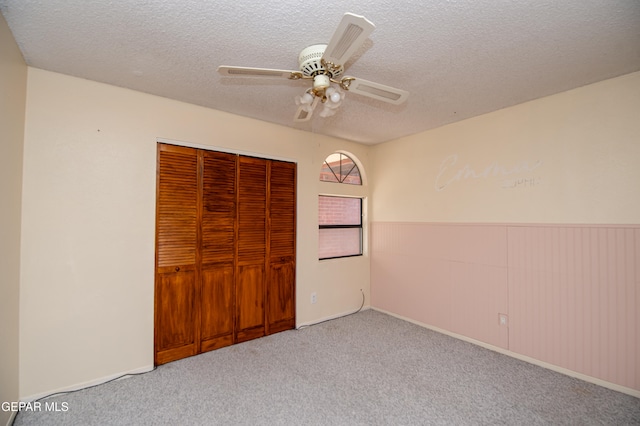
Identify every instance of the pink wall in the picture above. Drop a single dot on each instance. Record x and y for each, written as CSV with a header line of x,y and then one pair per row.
x,y
571,293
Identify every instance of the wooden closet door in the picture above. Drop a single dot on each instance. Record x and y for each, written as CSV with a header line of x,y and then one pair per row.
x,y
250,270
176,247
218,249
282,247
225,250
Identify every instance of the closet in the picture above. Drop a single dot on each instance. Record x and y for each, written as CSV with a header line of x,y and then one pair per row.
x,y
225,250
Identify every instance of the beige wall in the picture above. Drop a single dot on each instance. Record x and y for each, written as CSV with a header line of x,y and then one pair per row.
x,y
89,216
13,86
568,158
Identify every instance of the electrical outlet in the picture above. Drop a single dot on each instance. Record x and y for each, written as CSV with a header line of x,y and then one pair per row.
x,y
503,319
314,297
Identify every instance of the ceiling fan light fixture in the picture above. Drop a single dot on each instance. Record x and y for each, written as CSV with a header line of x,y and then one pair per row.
x,y
305,102
307,98
335,95
328,111
321,82
324,64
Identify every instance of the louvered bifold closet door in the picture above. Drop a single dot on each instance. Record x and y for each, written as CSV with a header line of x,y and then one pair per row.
x,y
282,248
176,249
250,270
225,250
218,249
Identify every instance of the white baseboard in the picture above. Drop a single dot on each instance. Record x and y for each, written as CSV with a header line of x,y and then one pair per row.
x,y
12,418
525,358
87,384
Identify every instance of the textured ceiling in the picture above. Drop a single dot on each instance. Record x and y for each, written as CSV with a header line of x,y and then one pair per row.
x,y
458,59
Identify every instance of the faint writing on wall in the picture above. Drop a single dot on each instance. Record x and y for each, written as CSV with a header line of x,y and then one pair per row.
x,y
520,182
513,175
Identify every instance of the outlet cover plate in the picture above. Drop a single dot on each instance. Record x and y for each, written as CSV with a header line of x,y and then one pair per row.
x,y
503,319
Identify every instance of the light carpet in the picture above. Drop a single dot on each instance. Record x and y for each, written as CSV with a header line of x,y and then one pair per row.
x,y
365,369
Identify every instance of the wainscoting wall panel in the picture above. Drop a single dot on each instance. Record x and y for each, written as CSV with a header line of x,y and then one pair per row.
x,y
575,291
452,277
570,293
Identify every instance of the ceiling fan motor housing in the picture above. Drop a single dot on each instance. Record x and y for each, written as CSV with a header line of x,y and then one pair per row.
x,y
310,63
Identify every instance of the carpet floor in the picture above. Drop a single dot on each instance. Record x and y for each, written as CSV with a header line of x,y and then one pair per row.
x,y
365,369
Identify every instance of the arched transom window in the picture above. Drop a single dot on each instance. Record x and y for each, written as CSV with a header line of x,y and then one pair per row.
x,y
340,168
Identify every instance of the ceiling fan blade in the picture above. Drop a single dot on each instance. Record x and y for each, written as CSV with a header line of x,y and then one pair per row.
x,y
305,112
350,35
253,72
378,91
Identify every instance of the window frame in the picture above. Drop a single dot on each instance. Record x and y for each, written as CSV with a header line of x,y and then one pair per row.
x,y
359,226
341,177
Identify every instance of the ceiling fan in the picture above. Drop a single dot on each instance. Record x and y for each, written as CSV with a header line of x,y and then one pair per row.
x,y
324,64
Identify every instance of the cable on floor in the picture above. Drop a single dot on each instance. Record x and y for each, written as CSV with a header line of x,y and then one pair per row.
x,y
97,384
87,387
331,319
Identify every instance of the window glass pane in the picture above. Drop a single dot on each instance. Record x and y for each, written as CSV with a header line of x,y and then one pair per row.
x,y
348,170
353,178
327,174
339,211
334,158
340,168
339,242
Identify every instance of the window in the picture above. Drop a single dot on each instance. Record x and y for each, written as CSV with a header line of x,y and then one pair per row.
x,y
340,168
340,217
340,220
